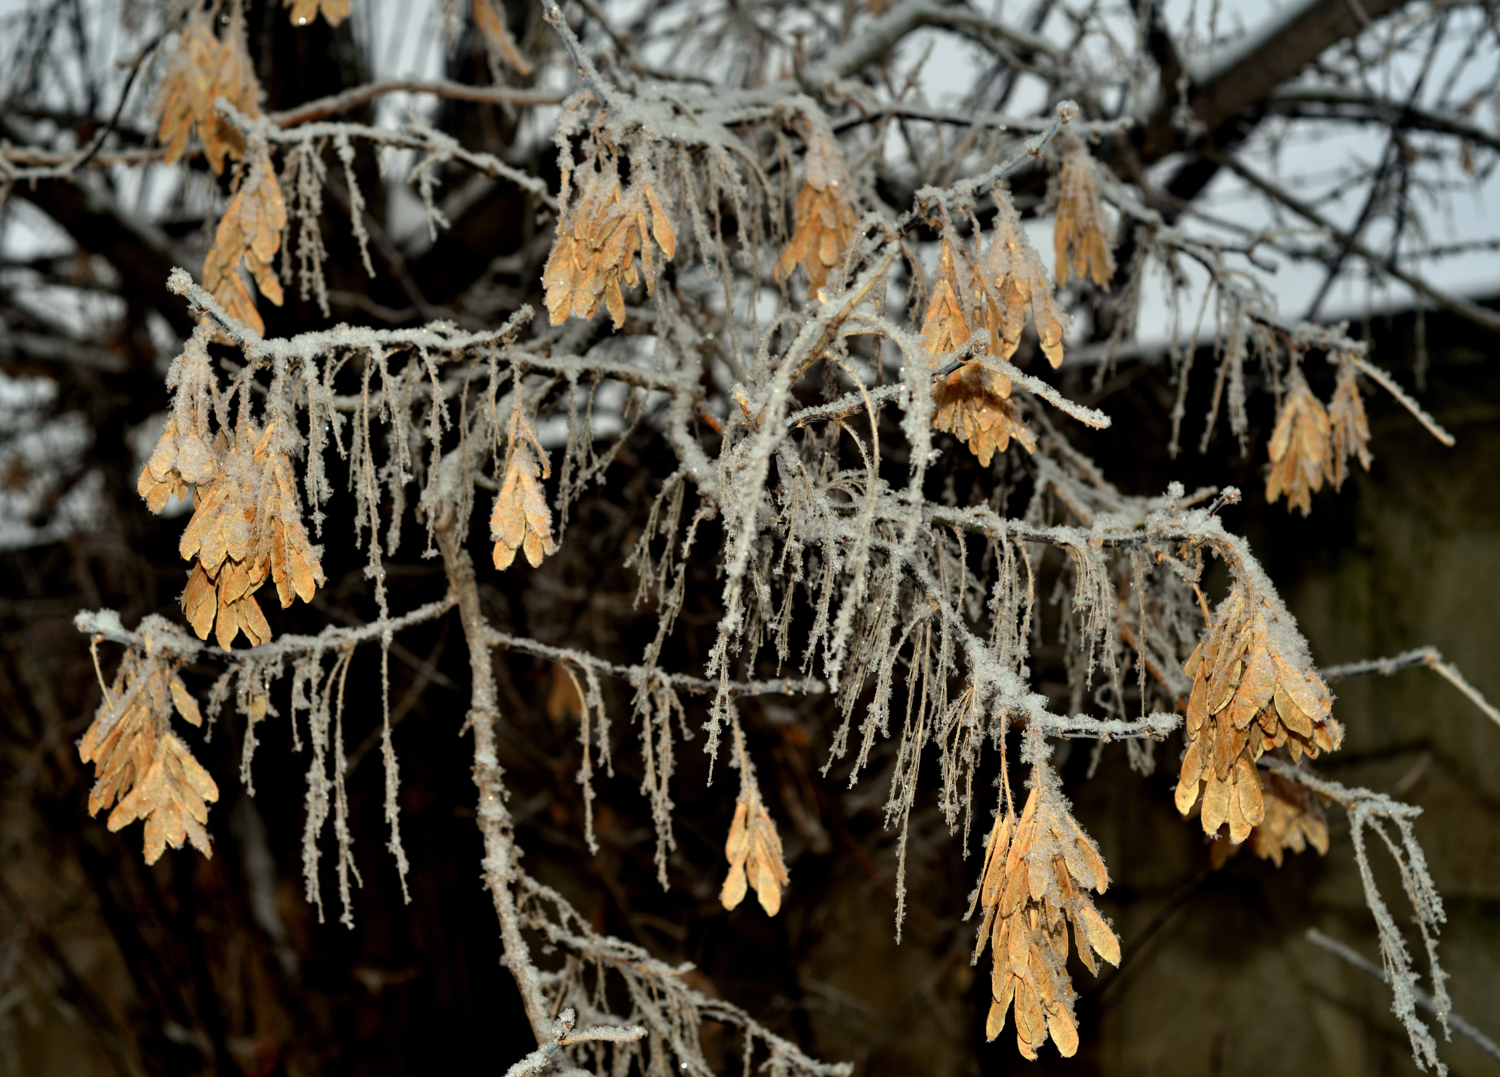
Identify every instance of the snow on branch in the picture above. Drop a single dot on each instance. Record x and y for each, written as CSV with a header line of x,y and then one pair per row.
x,y
1425,1001
1430,657
1366,811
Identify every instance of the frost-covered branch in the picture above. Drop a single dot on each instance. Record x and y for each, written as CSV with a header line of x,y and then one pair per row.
x,y
563,1035
1422,656
1366,811
323,107
1424,1000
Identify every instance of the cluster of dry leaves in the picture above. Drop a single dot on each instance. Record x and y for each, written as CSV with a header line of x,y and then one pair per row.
x,y
1082,230
1294,820
246,523
754,852
140,767
1311,444
601,229
990,292
521,519
1037,874
824,219
201,70
1249,697
249,233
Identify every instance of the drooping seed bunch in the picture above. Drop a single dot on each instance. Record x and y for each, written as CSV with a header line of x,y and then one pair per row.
x,y
972,403
521,519
1311,444
993,291
246,527
248,233
247,523
202,70
824,219
140,766
1037,874
1251,694
601,230
1350,432
1082,229
1294,820
754,852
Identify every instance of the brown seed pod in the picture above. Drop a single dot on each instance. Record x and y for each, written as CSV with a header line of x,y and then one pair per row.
x,y
140,767
1082,229
1037,871
755,858
521,519
1250,695
1301,450
824,219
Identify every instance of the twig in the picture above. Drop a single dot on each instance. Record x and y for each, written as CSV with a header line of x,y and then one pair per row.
x,y
1386,382
168,638
1473,312
586,69
1422,656
457,91
500,869
1424,1000
636,674
563,1035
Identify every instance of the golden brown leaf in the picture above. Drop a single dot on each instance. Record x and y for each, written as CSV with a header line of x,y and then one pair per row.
x,y
824,219
1301,453
248,233
1249,696
140,767
1011,279
305,11
755,858
521,519
1349,431
600,231
491,24
972,404
1080,233
1037,871
201,70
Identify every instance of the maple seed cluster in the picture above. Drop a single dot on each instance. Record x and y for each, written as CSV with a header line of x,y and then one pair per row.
x,y
202,70
972,403
1311,444
1037,874
1080,233
754,852
249,232
246,524
1294,820
824,219
601,230
305,11
992,292
140,767
521,519
1247,699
